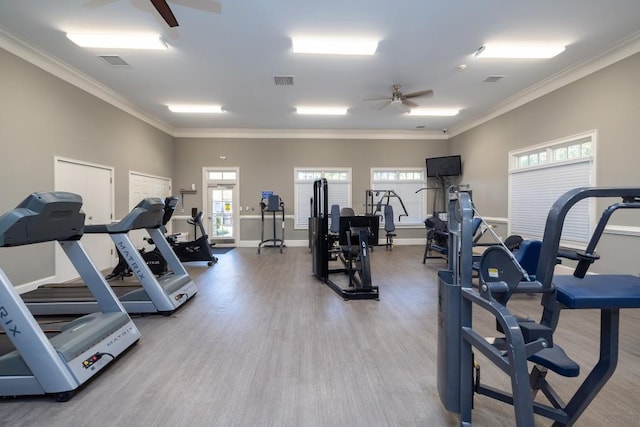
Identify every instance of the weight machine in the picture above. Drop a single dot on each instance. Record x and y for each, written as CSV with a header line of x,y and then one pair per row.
x,y
355,235
523,340
373,207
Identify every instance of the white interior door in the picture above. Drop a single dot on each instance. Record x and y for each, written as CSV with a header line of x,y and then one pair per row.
x,y
142,186
95,184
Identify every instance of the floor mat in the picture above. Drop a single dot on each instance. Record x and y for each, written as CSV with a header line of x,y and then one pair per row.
x,y
221,251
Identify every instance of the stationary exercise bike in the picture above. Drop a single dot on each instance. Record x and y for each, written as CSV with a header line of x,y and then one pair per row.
x,y
195,250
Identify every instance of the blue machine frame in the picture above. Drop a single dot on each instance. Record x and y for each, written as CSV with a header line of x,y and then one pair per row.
x,y
524,341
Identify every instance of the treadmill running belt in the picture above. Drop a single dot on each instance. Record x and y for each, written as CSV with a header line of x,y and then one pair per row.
x,y
72,292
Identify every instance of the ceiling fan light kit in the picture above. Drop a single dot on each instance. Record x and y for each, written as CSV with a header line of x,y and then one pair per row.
x,y
398,97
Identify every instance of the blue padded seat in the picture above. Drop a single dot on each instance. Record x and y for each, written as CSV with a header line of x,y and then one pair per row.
x,y
335,219
599,291
389,226
527,256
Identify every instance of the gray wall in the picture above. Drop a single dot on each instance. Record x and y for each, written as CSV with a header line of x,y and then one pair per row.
x,y
42,117
609,101
268,164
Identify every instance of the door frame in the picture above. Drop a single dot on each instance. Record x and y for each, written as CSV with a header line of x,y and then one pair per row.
x,y
236,199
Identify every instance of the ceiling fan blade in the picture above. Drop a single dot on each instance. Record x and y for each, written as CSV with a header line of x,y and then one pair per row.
x,y
211,6
380,98
409,103
165,11
421,93
385,105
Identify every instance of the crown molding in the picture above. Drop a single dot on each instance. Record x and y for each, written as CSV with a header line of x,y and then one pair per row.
x,y
67,73
71,75
310,134
23,49
619,51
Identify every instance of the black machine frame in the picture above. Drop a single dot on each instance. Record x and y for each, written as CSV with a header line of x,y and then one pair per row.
x,y
321,243
274,205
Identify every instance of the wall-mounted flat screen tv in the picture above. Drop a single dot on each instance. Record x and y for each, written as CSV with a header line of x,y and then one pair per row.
x,y
444,166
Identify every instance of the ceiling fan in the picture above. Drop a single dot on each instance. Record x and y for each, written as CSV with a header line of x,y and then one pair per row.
x,y
398,97
163,8
165,11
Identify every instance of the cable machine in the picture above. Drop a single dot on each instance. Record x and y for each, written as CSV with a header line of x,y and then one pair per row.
x,y
373,207
356,228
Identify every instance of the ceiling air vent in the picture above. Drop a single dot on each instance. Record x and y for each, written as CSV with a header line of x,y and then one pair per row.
x,y
114,60
283,80
493,78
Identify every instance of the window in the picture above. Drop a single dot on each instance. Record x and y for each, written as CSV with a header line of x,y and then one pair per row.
x,y
338,180
539,175
221,175
404,182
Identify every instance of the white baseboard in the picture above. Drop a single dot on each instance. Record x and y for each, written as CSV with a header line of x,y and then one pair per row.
x,y
289,243
305,243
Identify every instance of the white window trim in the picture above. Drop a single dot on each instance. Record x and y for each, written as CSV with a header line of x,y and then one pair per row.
x,y
349,183
591,135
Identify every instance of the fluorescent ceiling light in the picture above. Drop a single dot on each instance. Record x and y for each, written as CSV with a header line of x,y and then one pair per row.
x,y
334,111
118,41
183,108
433,112
334,45
512,51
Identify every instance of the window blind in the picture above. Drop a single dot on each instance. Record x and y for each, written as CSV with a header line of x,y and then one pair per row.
x,y
339,193
533,191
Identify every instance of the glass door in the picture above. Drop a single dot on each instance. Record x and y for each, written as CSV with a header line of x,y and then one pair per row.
x,y
221,218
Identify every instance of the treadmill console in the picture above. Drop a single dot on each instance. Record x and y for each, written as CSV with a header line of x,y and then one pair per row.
x,y
43,217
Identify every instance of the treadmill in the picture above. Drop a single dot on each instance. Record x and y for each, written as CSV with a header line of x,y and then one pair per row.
x,y
152,294
85,346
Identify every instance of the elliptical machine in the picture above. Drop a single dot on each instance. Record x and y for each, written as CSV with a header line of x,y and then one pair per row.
x,y
195,250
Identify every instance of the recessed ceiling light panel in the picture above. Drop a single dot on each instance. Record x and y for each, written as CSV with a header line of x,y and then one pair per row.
x,y
118,41
513,51
186,108
334,45
433,112
330,111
